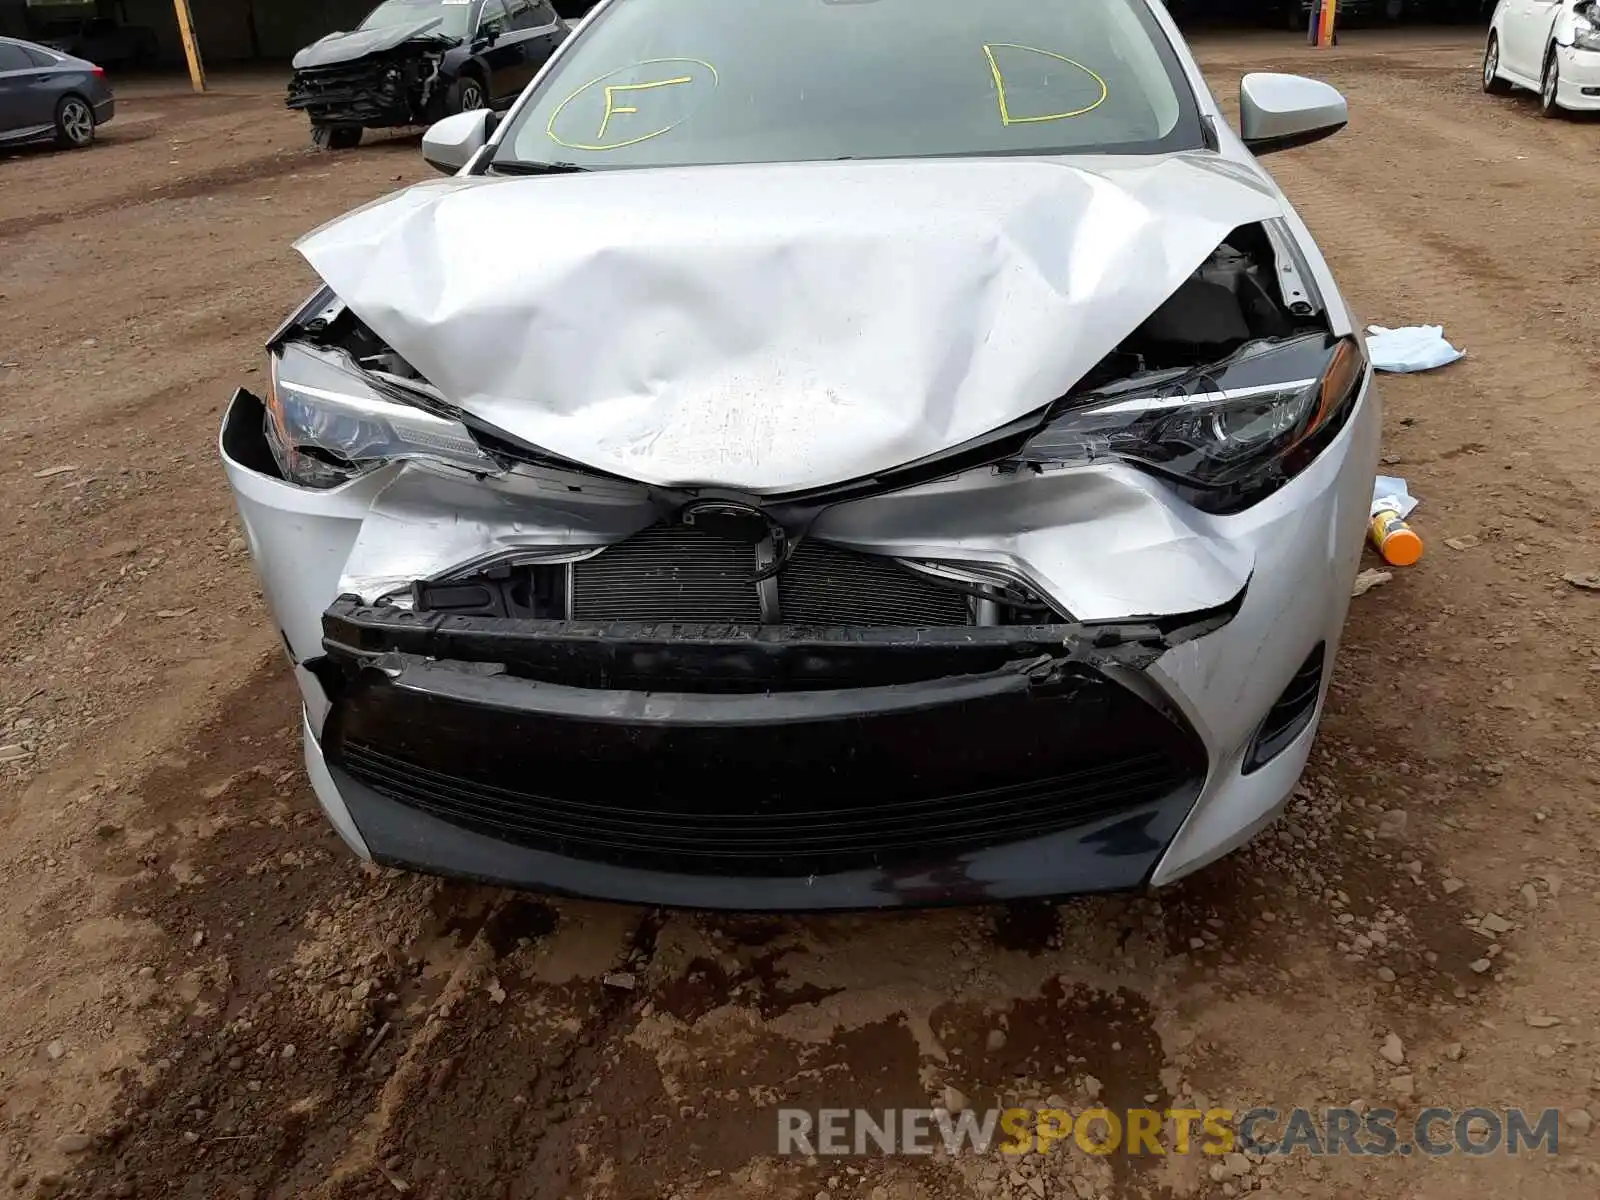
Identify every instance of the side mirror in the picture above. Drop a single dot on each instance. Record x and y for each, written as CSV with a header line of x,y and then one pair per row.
x,y
449,145
1280,111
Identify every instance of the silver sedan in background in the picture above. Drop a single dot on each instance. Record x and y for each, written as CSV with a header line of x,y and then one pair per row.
x,y
821,455
46,95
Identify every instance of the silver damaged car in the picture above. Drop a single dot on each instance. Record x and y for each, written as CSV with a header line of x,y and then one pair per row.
x,y
821,454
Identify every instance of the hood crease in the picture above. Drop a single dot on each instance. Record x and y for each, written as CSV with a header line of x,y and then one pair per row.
x,y
773,328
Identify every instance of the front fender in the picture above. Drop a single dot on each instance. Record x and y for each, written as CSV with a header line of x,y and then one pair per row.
x,y
456,60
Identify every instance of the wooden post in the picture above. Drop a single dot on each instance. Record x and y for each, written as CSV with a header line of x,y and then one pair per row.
x,y
1325,31
191,47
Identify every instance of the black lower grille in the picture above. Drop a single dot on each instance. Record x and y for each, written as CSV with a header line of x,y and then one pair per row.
x,y
777,785
1290,713
722,837
673,573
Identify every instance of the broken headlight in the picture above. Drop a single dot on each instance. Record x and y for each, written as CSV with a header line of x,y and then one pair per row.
x,y
1226,435
327,425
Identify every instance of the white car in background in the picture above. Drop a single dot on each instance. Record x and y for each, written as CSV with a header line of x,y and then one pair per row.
x,y
1548,46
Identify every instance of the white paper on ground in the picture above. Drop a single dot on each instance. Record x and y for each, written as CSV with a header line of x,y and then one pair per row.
x,y
1389,494
1409,348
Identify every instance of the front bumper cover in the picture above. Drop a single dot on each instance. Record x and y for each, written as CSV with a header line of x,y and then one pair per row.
x,y
1578,80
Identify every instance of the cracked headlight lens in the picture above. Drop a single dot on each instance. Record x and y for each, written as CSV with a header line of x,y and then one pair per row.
x,y
1586,37
327,425
1225,435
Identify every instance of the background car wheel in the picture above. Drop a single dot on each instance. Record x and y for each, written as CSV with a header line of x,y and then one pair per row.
x,y
1549,86
74,122
336,137
465,95
1492,83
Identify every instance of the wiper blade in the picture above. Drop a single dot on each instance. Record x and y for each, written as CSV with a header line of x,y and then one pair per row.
x,y
515,167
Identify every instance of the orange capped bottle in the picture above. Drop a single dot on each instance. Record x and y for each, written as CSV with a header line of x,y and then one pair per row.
x,y
1396,541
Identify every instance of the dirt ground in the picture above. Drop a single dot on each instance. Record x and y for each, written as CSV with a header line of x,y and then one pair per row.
x,y
205,996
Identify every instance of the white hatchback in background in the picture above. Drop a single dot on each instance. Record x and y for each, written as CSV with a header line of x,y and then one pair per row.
x,y
1551,47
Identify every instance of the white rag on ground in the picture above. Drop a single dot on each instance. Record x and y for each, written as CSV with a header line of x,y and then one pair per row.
x,y
1410,348
1390,494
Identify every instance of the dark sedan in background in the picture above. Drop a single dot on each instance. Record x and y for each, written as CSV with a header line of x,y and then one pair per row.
x,y
49,96
411,62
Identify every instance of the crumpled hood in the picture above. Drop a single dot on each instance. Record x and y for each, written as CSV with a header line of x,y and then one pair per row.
x,y
347,47
772,328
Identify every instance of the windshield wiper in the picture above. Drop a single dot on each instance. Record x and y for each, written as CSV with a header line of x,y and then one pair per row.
x,y
515,167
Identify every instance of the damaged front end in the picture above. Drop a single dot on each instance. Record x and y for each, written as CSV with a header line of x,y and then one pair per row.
x,y
397,86
1079,652
540,675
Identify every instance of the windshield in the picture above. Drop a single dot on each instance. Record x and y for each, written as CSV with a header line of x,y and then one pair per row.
x,y
679,82
452,16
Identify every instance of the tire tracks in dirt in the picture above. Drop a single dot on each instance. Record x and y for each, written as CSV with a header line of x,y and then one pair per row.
x,y
201,183
427,1064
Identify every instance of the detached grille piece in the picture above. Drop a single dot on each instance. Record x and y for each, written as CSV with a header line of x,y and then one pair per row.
x,y
673,573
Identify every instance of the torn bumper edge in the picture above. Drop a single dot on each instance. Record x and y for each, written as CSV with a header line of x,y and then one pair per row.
x,y
327,792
